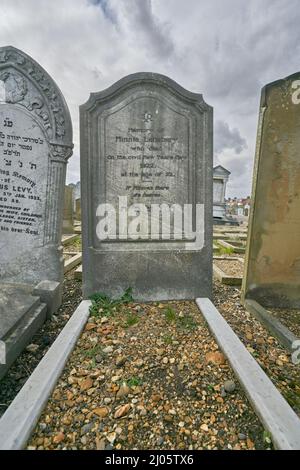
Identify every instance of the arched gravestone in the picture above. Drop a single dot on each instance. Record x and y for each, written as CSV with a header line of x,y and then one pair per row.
x,y
146,141
272,264
35,144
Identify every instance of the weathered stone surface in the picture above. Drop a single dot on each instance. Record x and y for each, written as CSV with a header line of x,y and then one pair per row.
x,y
35,144
15,302
150,141
68,219
272,267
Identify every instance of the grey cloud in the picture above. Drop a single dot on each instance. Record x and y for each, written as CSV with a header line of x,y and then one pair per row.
x,y
226,138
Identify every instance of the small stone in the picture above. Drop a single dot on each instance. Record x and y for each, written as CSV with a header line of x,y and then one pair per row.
x,y
104,320
120,361
229,386
98,358
58,438
156,397
108,350
111,437
102,412
204,427
165,360
123,390
107,400
100,444
215,357
32,348
181,424
160,441
242,437
86,384
86,428
172,360
122,411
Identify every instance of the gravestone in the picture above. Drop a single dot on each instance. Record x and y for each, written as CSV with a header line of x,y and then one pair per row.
x,y
220,179
68,219
35,144
272,265
78,209
146,183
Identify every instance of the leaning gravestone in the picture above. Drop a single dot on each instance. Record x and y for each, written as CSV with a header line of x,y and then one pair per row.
x,y
146,182
35,144
272,267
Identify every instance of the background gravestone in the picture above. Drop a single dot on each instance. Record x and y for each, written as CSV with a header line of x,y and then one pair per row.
x,y
220,179
150,140
35,144
272,267
68,219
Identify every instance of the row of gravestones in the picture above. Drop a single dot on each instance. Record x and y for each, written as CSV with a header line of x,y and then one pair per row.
x,y
146,193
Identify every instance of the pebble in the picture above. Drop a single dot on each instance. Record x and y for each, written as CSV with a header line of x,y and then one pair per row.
x,y
242,437
86,428
32,348
123,390
108,350
165,360
229,386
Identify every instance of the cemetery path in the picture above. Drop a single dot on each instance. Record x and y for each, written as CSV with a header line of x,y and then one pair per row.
x,y
147,376
23,367
266,349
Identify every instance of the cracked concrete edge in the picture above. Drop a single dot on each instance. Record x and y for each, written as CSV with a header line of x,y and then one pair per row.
x,y
272,409
19,420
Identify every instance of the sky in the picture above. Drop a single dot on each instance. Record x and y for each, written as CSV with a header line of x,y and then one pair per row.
x,y
225,49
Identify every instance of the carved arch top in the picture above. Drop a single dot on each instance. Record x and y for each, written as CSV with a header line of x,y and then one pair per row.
x,y
27,84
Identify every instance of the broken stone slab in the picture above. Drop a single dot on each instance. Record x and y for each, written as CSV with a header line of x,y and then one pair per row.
x,y
20,418
276,328
272,409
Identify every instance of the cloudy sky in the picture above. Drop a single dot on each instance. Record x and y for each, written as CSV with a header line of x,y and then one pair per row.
x,y
225,49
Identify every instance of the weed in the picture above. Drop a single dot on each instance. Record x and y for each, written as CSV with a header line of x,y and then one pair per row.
x,y
131,319
170,314
167,339
103,305
134,382
93,352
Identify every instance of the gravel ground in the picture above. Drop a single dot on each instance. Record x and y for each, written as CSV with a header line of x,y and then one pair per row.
x,y
232,268
74,246
288,317
148,376
268,352
40,343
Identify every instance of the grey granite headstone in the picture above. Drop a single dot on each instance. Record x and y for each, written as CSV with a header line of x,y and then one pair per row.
x,y
146,141
68,219
35,144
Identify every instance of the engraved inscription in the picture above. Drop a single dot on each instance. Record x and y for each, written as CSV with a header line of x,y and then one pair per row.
x,y
146,153
23,159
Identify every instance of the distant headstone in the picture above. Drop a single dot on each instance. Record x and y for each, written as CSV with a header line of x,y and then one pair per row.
x,y
272,268
220,179
78,209
68,218
35,144
146,190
